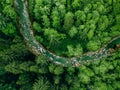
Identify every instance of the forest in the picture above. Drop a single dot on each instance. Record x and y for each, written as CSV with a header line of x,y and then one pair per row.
x,y
66,28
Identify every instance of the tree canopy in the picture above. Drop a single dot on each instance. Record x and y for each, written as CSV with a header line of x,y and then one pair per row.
x,y
68,28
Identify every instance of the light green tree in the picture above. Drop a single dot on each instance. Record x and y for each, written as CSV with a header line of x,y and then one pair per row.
x,y
45,21
53,36
73,31
58,70
68,21
9,11
37,27
103,23
56,22
76,4
80,17
13,68
93,45
74,51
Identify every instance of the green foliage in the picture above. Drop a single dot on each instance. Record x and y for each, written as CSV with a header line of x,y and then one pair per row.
x,y
13,68
4,43
56,79
58,70
9,11
73,31
41,84
118,19
71,28
6,87
25,65
41,60
56,22
37,27
68,21
100,86
96,75
16,51
31,6
46,21
71,70
80,17
90,34
23,79
9,29
76,4
95,15
41,9
39,38
78,50
103,25
7,14
63,87
56,19
78,20
53,36
34,68
93,45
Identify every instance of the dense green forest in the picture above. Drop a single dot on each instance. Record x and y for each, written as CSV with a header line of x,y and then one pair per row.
x,y
67,28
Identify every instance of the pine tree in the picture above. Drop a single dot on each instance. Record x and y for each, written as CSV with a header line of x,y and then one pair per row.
x,y
41,84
